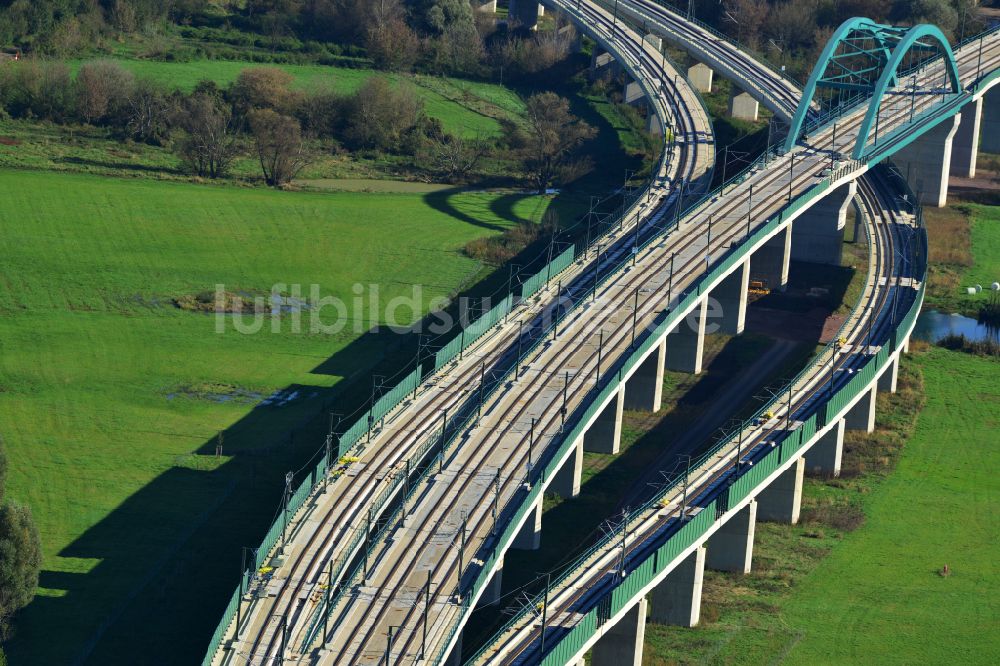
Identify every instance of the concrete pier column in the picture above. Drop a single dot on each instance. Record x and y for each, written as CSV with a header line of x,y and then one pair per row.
x,y
686,344
530,536
655,40
526,12
825,455
742,106
677,600
644,389
770,261
965,146
818,234
731,295
566,483
622,644
781,502
633,93
485,6
653,125
492,591
605,434
989,121
926,163
862,415
601,63
700,77
889,377
731,547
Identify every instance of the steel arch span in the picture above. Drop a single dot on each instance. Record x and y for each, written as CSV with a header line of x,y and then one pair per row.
x,y
863,58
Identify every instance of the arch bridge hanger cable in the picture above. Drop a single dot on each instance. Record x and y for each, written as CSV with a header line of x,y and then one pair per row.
x,y
862,60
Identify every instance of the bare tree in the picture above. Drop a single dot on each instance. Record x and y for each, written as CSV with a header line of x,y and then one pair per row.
x,y
553,133
456,157
148,112
279,145
101,89
390,41
263,88
210,143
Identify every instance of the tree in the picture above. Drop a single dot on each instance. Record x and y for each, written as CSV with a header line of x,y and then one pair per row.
x,y
553,134
437,16
102,88
455,157
20,554
279,145
262,88
210,144
379,115
745,18
20,560
148,113
389,40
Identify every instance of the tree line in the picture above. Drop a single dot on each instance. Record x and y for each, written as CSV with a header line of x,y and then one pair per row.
x,y
262,114
793,32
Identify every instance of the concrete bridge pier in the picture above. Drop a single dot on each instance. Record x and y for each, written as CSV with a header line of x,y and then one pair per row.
x,y
965,146
989,121
862,415
485,6
632,94
492,591
770,262
732,297
700,76
781,502
655,40
605,434
818,234
686,344
622,644
742,106
731,547
825,456
602,62
530,536
644,389
526,12
566,482
926,163
677,600
653,125
890,376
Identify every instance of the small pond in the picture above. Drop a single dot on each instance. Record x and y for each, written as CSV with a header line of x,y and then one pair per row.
x,y
933,325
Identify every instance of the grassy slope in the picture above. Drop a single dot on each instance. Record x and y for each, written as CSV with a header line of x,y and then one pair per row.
x,y
878,597
92,352
464,107
965,250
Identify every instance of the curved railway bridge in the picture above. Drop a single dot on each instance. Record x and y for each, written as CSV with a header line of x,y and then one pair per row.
x,y
386,552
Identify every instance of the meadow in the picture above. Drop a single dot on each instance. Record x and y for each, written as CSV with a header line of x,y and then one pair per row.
x,y
111,396
861,579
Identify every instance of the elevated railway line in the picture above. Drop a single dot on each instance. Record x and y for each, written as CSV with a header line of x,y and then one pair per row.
x,y
523,415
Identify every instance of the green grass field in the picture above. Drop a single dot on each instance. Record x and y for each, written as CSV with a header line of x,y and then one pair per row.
x,y
463,107
107,391
965,251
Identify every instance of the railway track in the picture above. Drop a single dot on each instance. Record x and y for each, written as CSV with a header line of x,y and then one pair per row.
x,y
265,636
